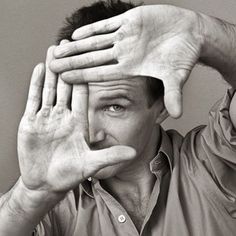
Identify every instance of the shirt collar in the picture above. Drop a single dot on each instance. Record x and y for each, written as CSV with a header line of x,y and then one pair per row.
x,y
87,188
165,152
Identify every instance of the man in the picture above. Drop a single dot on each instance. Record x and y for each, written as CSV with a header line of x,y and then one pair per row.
x,y
144,181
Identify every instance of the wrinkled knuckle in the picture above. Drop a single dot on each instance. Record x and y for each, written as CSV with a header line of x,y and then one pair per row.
x,y
76,46
91,60
81,75
128,15
119,36
107,26
71,63
45,112
29,117
100,75
94,44
59,108
34,98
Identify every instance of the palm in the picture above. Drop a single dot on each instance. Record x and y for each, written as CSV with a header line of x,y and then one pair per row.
x,y
168,46
56,142
53,154
158,41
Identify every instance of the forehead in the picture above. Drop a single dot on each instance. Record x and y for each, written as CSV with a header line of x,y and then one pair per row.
x,y
135,88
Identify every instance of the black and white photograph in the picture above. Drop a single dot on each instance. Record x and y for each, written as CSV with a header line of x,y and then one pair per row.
x,y
118,118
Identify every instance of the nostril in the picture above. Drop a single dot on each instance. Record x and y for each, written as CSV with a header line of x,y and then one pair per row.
x,y
97,137
100,135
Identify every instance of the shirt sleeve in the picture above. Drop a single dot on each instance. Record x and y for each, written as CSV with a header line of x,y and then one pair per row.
x,y
213,148
61,220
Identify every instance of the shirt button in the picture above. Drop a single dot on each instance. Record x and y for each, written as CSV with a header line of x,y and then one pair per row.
x,y
121,219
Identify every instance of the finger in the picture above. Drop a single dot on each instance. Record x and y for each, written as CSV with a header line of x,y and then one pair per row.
x,y
35,90
173,98
79,107
63,41
63,89
111,156
100,27
50,83
96,74
63,93
85,45
90,59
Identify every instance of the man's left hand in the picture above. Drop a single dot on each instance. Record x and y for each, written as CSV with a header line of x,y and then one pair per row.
x,y
159,41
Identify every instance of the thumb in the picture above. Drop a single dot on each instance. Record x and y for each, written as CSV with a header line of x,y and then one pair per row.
x,y
111,156
173,97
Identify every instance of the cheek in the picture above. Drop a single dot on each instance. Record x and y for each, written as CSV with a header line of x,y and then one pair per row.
x,y
134,131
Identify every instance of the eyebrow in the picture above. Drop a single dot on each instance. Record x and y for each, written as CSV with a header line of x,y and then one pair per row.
x,y
116,96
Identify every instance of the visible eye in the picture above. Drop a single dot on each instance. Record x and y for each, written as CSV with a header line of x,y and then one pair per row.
x,y
114,108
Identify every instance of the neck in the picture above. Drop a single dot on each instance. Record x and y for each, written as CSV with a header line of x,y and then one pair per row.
x,y
133,186
136,184
136,181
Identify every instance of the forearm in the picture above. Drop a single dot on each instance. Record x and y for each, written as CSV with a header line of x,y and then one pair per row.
x,y
219,47
22,209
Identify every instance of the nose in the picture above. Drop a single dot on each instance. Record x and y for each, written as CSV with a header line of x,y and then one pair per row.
x,y
96,130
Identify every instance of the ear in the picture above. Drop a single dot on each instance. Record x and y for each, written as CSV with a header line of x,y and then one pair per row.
x,y
162,116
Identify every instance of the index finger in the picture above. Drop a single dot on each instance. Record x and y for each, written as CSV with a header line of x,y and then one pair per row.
x,y
100,27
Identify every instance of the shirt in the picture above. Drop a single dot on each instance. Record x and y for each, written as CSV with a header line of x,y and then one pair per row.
x,y
194,192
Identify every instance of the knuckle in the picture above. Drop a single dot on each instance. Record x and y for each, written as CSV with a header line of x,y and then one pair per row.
x,y
28,117
119,35
71,63
100,75
94,44
59,108
45,112
76,47
82,75
108,25
90,60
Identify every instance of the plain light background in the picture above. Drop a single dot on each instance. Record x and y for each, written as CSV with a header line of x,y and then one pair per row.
x,y
28,28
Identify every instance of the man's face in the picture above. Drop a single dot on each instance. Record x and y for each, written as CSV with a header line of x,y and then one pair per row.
x,y
119,115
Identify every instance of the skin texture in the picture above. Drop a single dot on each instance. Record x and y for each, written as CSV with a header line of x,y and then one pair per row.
x,y
118,115
164,42
52,149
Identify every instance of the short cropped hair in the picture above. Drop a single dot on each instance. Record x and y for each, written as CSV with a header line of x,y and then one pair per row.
x,y
99,11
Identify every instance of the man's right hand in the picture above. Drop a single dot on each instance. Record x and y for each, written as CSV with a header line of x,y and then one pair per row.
x,y
53,154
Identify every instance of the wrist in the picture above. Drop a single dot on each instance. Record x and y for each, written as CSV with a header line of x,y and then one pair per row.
x,y
25,200
207,26
218,50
